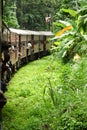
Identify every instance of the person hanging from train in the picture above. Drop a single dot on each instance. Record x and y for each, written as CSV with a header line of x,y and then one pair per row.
x,y
3,86
6,70
3,99
29,45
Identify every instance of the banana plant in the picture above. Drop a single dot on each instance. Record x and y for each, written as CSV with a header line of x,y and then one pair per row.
x,y
74,39
82,20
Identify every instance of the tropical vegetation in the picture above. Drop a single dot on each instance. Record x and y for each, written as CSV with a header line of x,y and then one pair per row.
x,y
54,95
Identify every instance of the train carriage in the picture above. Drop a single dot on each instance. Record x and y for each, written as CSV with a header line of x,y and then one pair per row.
x,y
14,48
32,44
18,51
5,55
23,46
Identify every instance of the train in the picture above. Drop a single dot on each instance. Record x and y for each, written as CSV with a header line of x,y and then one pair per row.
x,y
21,46
17,48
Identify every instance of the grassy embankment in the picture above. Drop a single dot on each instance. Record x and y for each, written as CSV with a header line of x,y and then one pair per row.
x,y
47,95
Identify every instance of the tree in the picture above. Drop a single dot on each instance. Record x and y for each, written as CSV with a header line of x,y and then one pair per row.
x,y
31,14
9,13
75,40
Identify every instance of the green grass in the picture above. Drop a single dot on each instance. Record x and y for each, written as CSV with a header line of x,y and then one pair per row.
x,y
25,109
47,95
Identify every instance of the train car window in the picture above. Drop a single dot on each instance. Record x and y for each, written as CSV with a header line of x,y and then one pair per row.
x,y
41,38
23,38
23,43
29,37
36,38
36,42
41,41
12,38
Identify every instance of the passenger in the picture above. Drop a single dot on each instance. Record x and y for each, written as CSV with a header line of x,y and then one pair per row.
x,y
29,45
3,99
3,86
20,54
6,72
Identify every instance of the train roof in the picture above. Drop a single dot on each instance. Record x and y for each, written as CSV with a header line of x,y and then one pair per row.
x,y
29,32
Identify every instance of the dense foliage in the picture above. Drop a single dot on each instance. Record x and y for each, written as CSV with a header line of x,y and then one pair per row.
x,y
28,14
54,95
9,14
72,41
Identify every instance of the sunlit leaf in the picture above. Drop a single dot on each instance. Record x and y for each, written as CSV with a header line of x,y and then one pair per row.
x,y
71,12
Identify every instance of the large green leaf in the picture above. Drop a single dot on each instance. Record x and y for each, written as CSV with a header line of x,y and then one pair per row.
x,y
83,2
82,23
71,12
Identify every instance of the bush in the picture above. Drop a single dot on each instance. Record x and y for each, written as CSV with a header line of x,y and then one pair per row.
x,y
70,98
